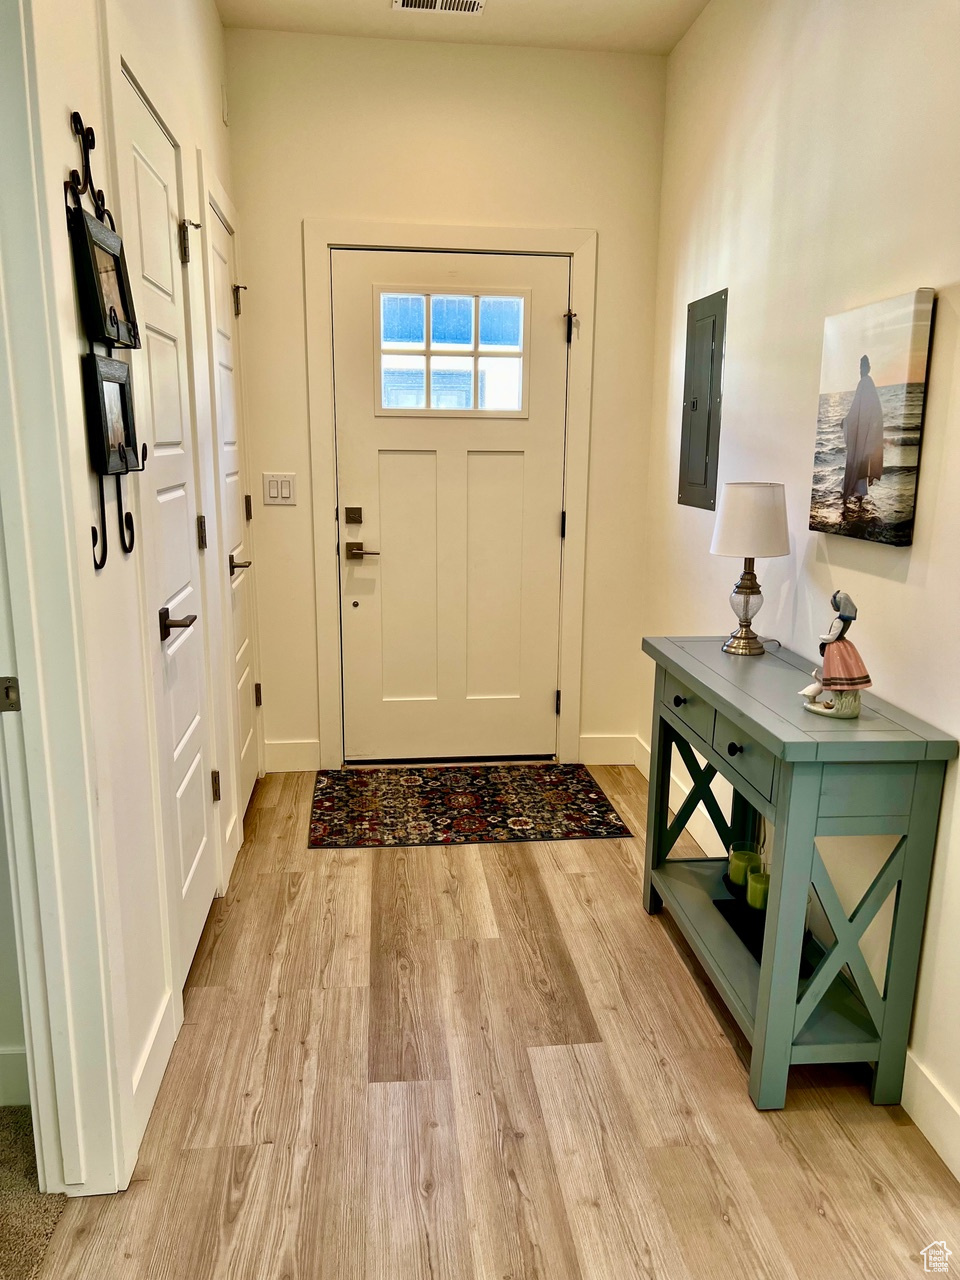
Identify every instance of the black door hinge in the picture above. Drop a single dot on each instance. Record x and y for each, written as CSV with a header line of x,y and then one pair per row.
x,y
258,694
237,289
563,524
215,783
185,226
202,532
248,506
558,702
569,316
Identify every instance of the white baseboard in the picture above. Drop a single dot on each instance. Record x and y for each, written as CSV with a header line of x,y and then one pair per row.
x,y
641,757
934,1112
599,748
291,757
148,1071
699,827
14,1082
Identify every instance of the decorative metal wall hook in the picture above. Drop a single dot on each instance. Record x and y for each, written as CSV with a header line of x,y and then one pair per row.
x,y
128,534
100,535
78,185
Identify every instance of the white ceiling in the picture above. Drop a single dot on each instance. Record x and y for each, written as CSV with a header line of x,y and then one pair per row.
x,y
646,26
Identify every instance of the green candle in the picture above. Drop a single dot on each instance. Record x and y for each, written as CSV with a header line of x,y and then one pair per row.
x,y
758,889
743,859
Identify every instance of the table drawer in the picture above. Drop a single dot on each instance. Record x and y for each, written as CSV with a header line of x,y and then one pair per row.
x,y
753,762
688,707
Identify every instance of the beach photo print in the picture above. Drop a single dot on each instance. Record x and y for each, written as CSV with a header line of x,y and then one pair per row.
x,y
873,383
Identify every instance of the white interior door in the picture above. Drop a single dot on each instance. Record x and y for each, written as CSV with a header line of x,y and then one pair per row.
x,y
450,396
168,487
236,539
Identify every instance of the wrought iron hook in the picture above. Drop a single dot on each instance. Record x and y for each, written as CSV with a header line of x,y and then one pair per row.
x,y
128,533
79,184
100,535
125,519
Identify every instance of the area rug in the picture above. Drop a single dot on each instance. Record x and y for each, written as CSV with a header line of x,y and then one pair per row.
x,y
474,804
27,1218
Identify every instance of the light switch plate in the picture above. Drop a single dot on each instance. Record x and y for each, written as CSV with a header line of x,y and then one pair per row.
x,y
279,489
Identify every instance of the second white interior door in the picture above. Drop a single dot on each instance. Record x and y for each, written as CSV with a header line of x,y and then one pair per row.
x,y
450,375
236,536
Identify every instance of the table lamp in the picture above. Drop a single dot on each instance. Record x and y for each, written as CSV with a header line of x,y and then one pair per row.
x,y
752,523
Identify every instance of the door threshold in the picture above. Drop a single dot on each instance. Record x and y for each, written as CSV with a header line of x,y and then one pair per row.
x,y
449,760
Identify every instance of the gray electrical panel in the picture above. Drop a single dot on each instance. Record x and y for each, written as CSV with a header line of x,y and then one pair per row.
x,y
702,396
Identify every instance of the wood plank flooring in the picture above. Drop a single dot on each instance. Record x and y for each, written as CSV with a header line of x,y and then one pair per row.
x,y
486,1063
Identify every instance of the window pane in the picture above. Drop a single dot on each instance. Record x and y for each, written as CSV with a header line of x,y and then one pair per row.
x,y
451,321
501,323
404,380
501,383
403,319
451,382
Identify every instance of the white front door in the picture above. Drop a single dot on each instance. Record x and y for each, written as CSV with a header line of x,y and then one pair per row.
x,y
236,538
168,488
450,376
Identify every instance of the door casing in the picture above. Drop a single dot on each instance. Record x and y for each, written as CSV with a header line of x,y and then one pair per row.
x,y
320,236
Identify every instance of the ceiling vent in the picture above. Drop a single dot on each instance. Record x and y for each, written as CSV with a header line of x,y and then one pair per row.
x,y
442,6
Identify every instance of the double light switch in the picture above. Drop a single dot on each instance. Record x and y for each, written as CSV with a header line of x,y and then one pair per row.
x,y
279,489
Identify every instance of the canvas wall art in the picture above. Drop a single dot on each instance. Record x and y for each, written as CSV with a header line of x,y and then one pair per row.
x,y
873,383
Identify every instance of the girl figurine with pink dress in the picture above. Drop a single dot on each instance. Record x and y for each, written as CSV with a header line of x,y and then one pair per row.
x,y
844,674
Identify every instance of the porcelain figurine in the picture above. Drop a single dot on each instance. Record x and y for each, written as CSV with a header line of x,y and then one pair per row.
x,y
844,674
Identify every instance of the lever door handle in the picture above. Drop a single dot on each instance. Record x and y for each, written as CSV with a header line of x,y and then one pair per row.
x,y
238,564
168,625
355,551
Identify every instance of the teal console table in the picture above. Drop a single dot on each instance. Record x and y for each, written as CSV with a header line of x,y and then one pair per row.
x,y
809,776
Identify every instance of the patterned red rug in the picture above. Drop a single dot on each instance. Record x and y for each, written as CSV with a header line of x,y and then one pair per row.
x,y
471,804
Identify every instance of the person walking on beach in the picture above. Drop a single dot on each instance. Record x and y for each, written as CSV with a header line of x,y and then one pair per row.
x,y
863,437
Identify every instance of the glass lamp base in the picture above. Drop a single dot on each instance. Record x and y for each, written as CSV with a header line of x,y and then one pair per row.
x,y
745,600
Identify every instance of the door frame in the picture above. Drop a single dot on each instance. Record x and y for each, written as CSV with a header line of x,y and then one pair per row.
x,y
320,238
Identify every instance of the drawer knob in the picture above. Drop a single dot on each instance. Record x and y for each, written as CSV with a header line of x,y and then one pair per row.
x,y
734,749
678,701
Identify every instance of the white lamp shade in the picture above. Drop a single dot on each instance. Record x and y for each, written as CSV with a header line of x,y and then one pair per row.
x,y
751,522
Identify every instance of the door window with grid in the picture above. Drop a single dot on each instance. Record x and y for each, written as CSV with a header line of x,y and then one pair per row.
x,y
456,354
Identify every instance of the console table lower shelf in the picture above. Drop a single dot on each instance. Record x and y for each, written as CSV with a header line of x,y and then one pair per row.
x,y
839,1029
806,1000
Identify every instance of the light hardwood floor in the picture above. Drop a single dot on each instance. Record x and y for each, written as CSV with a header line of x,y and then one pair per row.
x,y
486,1063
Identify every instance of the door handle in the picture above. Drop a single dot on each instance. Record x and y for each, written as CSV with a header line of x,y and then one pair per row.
x,y
238,564
168,625
355,551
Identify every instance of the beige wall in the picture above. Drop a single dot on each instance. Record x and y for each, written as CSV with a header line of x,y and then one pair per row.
x,y
812,164
403,132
